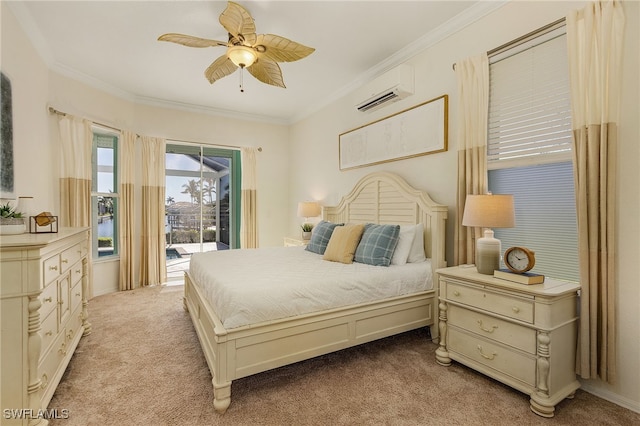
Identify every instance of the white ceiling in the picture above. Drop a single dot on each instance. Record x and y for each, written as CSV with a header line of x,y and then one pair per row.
x,y
113,45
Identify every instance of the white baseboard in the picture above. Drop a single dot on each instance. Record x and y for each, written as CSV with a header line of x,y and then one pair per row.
x,y
610,396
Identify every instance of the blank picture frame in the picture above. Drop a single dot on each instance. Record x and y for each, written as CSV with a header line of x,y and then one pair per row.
x,y
416,131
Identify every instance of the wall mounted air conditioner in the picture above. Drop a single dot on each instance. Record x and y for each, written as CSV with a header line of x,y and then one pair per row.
x,y
391,86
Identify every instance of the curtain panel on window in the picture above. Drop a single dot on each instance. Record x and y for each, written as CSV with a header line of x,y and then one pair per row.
x,y
76,141
473,108
127,210
594,39
248,203
153,261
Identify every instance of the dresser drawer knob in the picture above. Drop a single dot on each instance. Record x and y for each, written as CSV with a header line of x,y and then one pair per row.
x,y
53,268
483,355
488,330
78,271
48,333
70,334
48,299
456,293
64,260
63,349
515,309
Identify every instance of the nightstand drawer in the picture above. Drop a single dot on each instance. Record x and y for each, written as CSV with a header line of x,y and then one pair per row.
x,y
497,357
493,328
502,304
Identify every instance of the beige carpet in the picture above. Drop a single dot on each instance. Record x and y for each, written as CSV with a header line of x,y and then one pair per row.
x,y
143,365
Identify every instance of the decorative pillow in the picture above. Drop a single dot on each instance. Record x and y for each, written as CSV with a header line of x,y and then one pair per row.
x,y
417,248
405,240
377,244
343,243
320,236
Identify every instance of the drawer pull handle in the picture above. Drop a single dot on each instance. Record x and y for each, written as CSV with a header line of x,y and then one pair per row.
x,y
456,293
78,294
488,330
48,299
53,268
515,309
70,334
45,381
78,271
489,357
48,333
60,302
63,349
64,260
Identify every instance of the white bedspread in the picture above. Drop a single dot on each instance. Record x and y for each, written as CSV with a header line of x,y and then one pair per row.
x,y
255,285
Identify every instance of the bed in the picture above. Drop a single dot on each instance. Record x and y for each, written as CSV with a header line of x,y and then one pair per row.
x,y
244,346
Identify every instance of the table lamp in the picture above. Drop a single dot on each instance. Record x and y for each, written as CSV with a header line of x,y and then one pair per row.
x,y
488,211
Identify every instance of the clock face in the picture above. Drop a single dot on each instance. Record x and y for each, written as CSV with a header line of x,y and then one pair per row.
x,y
519,259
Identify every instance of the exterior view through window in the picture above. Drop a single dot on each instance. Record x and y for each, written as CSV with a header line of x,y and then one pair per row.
x,y
199,205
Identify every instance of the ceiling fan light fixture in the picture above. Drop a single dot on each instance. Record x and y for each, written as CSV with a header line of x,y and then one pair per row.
x,y
242,56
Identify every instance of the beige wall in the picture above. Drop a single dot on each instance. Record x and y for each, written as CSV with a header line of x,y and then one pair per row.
x,y
300,162
315,173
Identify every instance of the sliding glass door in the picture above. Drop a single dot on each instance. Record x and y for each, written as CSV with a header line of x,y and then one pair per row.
x,y
202,204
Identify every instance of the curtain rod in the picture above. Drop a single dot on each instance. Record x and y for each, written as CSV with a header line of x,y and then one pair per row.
x,y
522,39
259,149
52,110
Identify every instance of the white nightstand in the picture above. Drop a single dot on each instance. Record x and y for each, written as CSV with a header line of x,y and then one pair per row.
x,y
295,241
522,335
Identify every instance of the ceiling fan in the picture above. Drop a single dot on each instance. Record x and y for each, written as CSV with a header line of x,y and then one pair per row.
x,y
258,53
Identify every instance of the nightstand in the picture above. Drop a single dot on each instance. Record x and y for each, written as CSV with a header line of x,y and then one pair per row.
x,y
521,335
295,241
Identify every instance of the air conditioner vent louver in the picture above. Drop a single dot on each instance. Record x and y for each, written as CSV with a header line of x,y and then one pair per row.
x,y
389,87
378,101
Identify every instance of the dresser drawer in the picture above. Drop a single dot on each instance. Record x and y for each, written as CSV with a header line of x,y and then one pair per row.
x,y
51,269
76,296
70,256
493,328
76,273
51,362
49,299
64,298
497,357
503,304
48,331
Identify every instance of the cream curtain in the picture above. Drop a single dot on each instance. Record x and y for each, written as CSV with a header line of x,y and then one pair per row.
x,y
152,254
76,143
248,208
126,216
473,109
594,39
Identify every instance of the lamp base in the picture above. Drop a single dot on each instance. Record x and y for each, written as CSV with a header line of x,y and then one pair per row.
x,y
487,253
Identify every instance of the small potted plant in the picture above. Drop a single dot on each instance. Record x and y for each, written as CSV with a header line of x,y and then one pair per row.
x,y
11,221
306,230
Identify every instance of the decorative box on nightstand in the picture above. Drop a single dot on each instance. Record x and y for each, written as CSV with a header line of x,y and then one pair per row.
x,y
295,241
521,335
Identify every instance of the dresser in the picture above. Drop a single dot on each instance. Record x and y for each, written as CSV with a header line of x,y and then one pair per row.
x,y
521,335
43,314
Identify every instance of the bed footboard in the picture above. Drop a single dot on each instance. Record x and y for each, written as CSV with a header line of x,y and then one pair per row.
x,y
243,351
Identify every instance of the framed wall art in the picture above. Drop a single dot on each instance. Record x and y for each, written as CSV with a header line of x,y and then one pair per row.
x,y
6,141
420,130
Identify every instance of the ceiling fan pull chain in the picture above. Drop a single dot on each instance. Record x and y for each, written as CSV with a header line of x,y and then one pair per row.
x,y
241,83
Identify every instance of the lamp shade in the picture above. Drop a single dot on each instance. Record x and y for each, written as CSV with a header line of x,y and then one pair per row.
x,y
489,211
242,56
308,209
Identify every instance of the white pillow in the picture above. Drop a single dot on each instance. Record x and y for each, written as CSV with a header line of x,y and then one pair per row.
x,y
416,254
405,240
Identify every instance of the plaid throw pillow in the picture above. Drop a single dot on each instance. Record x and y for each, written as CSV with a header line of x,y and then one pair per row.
x,y
377,244
321,236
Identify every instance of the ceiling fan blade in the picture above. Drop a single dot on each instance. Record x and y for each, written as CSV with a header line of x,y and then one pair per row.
x,y
191,41
239,23
267,71
281,49
220,68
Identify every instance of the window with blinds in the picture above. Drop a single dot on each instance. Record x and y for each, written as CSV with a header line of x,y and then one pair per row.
x,y
529,149
529,103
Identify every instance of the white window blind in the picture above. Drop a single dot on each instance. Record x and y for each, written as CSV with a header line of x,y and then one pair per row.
x,y
529,104
529,149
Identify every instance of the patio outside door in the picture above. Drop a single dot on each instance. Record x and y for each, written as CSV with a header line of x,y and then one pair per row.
x,y
200,208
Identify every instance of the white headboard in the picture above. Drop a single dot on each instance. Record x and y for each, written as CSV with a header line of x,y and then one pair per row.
x,y
386,198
